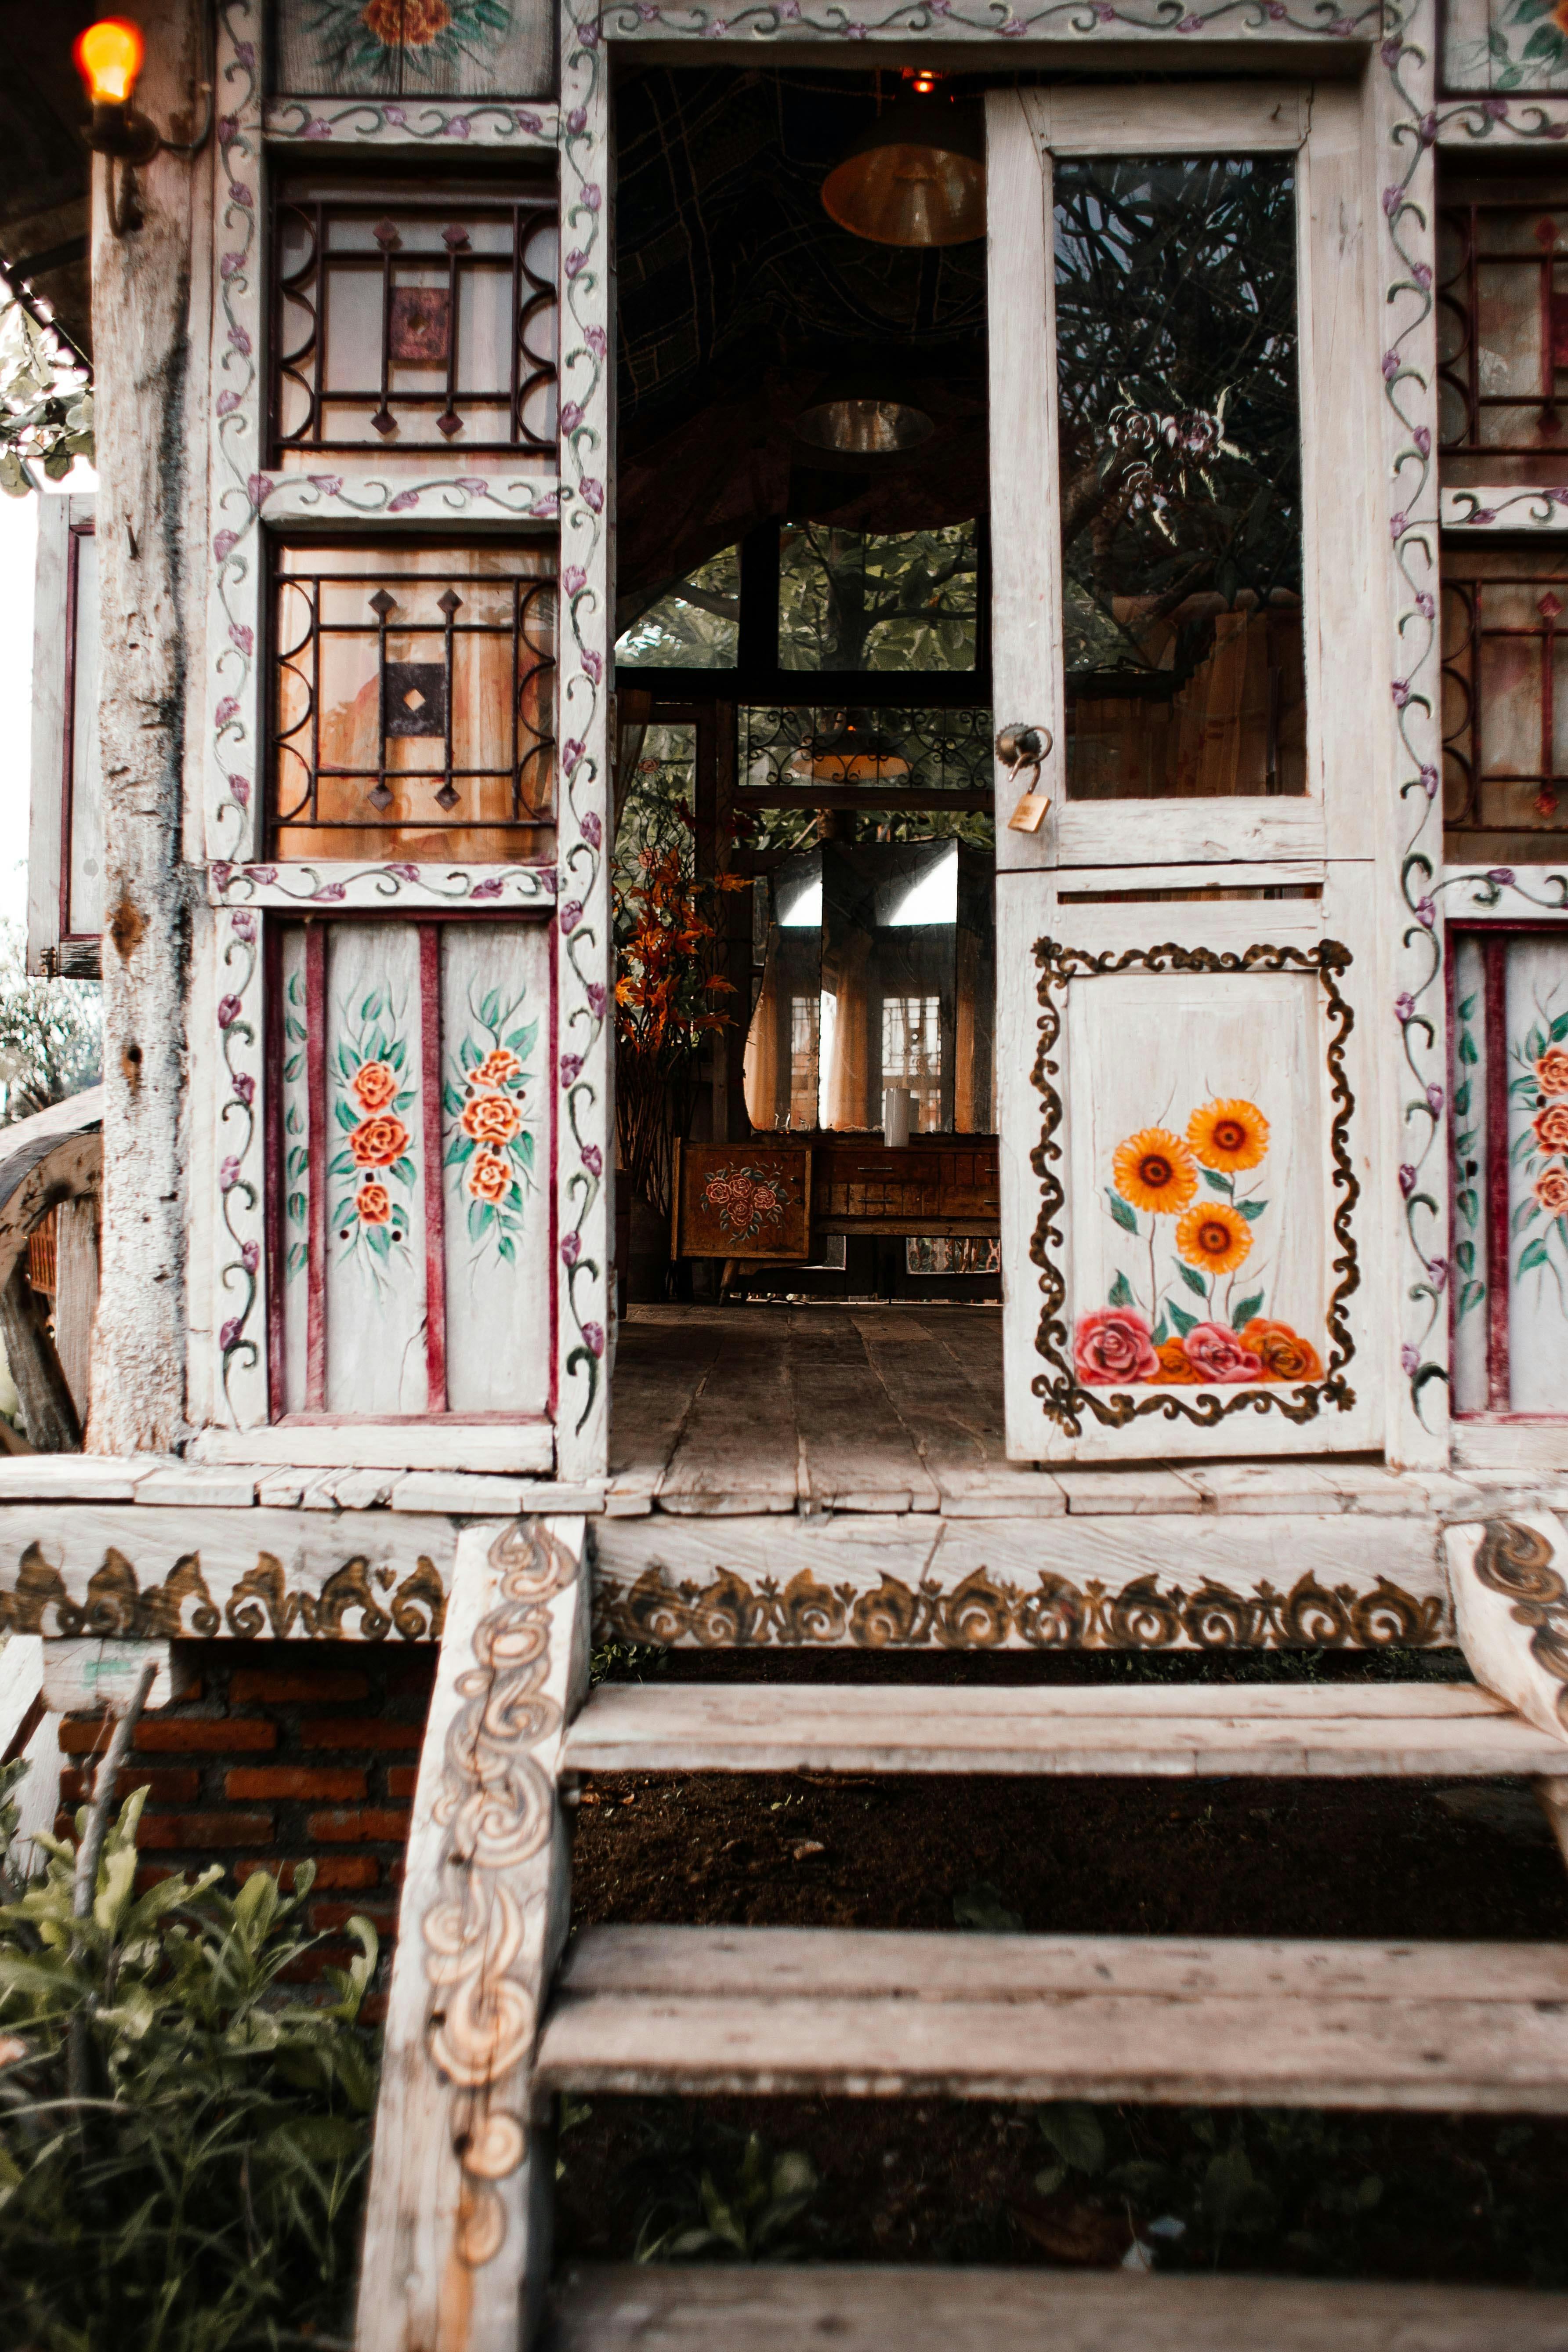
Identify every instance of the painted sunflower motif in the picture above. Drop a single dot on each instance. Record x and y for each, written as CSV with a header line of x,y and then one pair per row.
x,y
1215,1237
1154,1170
1228,1134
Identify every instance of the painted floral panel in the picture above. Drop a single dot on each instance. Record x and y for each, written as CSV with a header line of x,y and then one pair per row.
x,y
413,48
1503,45
1536,1026
747,1201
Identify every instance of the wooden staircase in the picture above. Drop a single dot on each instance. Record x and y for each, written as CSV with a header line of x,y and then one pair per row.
x,y
874,2013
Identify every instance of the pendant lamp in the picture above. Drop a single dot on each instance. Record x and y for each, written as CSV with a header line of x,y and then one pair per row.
x,y
856,417
857,754
914,176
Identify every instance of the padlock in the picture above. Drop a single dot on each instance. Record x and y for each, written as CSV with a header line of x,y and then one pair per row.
x,y
1023,751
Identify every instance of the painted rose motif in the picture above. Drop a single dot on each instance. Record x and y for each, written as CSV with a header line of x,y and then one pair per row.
x,y
1550,1126
1552,1192
489,1178
490,1148
490,1118
746,1201
407,24
372,1202
1216,1354
1283,1353
1173,1318
1114,1343
378,1142
375,1085
1551,1069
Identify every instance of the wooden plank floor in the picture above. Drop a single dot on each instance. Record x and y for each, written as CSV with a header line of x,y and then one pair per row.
x,y
825,2012
860,2308
729,1411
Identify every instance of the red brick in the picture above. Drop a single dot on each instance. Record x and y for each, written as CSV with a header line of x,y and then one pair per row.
x,y
325,1917
168,1787
154,1875
362,1731
201,1734
400,1779
332,1870
292,1781
364,1823
296,1685
217,1830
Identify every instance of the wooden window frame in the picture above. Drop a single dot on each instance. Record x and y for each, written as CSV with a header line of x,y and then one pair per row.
x,y
54,949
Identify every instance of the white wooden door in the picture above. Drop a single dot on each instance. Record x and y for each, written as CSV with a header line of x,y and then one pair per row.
x,y
1182,483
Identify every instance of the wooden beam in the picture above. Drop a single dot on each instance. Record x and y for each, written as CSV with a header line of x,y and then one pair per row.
x,y
455,2250
49,1409
150,509
1509,1576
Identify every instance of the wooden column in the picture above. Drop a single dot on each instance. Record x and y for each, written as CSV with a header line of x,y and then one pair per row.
x,y
149,499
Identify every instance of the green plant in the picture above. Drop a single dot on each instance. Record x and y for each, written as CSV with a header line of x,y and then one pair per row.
x,y
199,2189
46,404
725,2211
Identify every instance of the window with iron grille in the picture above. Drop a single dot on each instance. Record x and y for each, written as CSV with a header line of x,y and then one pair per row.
x,y
413,700
1505,703
405,321
1502,330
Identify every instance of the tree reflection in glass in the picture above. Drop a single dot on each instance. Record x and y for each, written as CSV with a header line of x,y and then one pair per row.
x,y
1181,495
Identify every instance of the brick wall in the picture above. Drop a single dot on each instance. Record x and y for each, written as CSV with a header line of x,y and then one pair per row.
x,y
276,1751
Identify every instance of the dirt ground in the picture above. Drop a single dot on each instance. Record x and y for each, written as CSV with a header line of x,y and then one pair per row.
x,y
1417,2197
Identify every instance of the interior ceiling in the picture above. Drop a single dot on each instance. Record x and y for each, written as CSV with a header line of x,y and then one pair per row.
x,y
739,298
44,160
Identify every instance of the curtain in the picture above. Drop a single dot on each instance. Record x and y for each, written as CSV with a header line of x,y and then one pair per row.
x,y
845,968
760,1069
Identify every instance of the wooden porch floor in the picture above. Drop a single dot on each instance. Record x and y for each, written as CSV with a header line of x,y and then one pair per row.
x,y
783,1408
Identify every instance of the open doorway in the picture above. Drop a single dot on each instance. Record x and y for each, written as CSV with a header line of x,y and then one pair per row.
x,y
803,777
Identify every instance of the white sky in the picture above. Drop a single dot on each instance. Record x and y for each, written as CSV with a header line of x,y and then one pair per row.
x,y
19,544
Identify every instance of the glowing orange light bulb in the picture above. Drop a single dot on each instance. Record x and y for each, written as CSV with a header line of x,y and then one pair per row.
x,y
109,58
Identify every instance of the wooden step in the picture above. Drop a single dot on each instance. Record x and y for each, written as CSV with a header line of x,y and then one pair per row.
x,y
856,2309
870,2013
1292,1729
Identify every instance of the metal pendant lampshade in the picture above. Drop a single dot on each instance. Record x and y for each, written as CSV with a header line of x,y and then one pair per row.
x,y
914,176
859,753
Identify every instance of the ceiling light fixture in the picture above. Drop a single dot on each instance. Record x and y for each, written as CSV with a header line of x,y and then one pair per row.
x,y
856,755
856,418
916,175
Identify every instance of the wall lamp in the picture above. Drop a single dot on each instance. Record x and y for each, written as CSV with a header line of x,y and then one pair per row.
x,y
109,58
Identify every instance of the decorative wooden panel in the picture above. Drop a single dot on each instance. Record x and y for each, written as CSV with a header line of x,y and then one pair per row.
x,y
1183,1254
1509,1138
410,1176
413,48
1503,45
745,1200
400,320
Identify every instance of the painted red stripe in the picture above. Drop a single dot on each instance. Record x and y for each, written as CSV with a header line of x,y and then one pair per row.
x,y
276,1148
435,1187
316,1206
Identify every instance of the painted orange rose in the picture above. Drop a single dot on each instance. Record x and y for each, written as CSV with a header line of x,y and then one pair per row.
x,y
498,1068
490,1118
1175,1370
373,1203
405,23
375,1084
1154,1170
1551,1070
1550,1126
1283,1353
489,1178
1552,1192
377,1142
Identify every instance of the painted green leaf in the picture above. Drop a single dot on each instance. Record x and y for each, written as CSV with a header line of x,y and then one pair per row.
x,y
395,1054
1544,42
1534,1045
1560,1028
1466,1010
522,1040
1467,1047
1251,1210
403,1172
490,1008
1469,1205
299,1258
1525,1215
292,1068
1216,1182
1471,1295
1120,1211
1180,1318
378,1240
468,1055
1122,1292
1534,1254
1465,1257
1194,1281
296,1205
1162,1329
347,1117
524,1148
1246,1309
504,1248
298,1159
451,1100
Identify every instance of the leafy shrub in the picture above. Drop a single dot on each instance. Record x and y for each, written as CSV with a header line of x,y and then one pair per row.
x,y
182,2145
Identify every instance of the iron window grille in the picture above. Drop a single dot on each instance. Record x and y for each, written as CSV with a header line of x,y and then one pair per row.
x,y
1505,706
866,758
387,292
458,659
1502,308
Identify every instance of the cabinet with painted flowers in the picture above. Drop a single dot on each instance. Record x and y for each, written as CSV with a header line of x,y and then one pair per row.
x,y
411,1201
1191,1077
